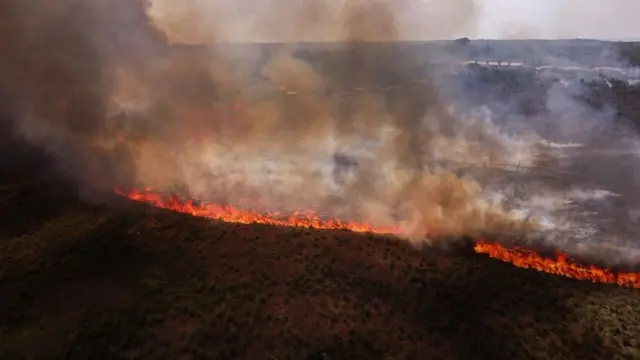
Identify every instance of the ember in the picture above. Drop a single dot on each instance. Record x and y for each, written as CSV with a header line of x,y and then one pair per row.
x,y
519,257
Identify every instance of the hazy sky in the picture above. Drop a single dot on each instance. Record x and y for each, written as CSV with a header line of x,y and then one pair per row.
x,y
601,19
323,20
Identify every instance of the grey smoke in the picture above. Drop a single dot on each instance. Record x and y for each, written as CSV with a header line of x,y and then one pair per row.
x,y
208,118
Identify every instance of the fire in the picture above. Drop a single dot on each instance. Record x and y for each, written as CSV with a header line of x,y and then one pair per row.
x,y
519,257
559,266
228,213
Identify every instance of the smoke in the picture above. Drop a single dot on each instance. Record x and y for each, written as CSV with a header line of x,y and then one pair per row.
x,y
164,95
245,21
330,133
55,76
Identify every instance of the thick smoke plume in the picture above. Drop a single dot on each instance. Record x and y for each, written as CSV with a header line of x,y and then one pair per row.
x,y
361,153
56,74
162,95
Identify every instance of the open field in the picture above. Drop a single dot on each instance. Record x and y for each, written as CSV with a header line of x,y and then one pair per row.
x,y
126,281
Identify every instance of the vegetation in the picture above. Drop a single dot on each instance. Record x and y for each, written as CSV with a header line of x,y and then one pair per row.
x,y
630,52
127,281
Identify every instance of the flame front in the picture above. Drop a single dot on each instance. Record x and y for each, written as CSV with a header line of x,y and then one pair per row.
x,y
229,213
519,257
559,266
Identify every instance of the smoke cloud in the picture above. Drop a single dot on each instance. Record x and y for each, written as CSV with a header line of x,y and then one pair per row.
x,y
56,79
163,95
246,21
322,131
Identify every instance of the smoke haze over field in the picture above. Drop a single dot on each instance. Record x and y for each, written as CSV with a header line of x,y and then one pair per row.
x,y
389,183
250,21
318,20
99,86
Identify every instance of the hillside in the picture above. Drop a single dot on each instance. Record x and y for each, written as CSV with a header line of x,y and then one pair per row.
x,y
123,280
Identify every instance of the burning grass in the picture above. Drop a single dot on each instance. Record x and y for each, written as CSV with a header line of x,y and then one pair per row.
x,y
227,213
561,265
519,257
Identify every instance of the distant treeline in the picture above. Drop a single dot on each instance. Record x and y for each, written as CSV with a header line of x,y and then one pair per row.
x,y
541,52
630,52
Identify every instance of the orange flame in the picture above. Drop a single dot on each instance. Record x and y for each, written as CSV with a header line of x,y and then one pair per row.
x,y
560,266
519,257
229,213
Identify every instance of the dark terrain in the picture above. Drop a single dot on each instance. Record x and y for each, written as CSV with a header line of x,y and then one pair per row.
x,y
126,281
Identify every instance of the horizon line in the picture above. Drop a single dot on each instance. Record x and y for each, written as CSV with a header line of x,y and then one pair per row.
x,y
395,41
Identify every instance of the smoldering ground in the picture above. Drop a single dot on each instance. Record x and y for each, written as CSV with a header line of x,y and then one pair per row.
x,y
103,90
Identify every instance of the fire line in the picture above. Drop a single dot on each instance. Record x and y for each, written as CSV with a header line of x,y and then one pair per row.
x,y
519,257
559,266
